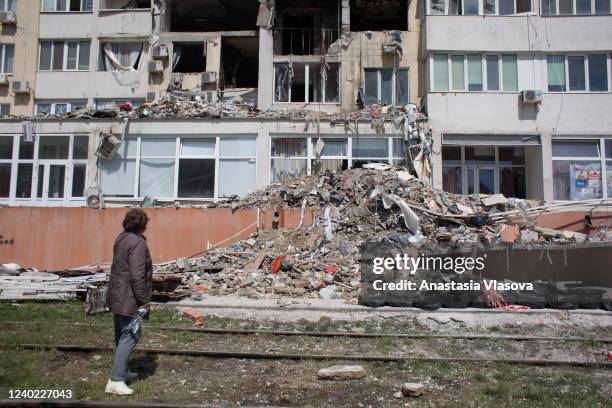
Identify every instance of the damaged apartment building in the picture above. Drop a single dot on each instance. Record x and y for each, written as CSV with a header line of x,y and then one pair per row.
x,y
214,98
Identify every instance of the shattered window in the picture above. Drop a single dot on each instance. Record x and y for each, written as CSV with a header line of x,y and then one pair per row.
x,y
329,155
436,7
488,6
480,154
289,159
120,56
281,82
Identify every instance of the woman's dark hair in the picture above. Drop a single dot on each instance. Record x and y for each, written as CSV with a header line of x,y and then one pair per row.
x,y
135,220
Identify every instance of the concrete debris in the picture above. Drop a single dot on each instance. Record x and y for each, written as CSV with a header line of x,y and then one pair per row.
x,y
495,199
412,389
346,372
197,317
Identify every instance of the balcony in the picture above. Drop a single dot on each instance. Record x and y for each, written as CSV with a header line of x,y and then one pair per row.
x,y
136,22
517,33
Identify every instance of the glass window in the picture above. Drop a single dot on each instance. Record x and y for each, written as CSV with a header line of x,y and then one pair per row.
x,y
53,147
583,6
602,7
576,180
118,176
281,80
480,154
366,147
511,155
474,72
371,86
5,179
154,147
386,86
457,72
397,145
512,182
492,72
401,87
549,7
156,178
575,64
41,178
80,147
43,108
523,6
61,108
436,6
5,109
58,55
197,178
440,72
78,180
488,6
6,147
575,149
331,147
598,73
57,178
26,149
566,7
452,179
556,73
45,56
236,177
48,5
197,147
289,147
608,147
451,154
71,62
454,7
84,50
509,73
287,169
506,7
7,55
24,180
470,7
332,83
237,147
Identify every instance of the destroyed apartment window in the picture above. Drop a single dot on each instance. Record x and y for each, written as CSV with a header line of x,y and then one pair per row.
x,y
288,159
67,5
308,83
387,86
480,7
64,56
121,56
379,16
124,4
501,72
7,56
575,70
329,155
188,57
58,107
208,15
577,168
8,5
237,166
578,7
5,109
484,170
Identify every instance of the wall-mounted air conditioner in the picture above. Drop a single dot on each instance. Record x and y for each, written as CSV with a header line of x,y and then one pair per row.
x,y
8,17
209,77
4,79
20,87
160,51
108,146
531,96
156,66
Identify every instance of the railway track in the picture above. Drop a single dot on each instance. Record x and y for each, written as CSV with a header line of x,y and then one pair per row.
x,y
305,356
606,340
97,404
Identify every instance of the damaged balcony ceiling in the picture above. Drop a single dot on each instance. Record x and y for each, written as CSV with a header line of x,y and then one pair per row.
x,y
379,15
213,15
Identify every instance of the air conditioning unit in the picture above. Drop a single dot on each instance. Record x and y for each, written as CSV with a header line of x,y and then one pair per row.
x,y
531,96
156,66
209,77
20,86
160,51
108,146
8,17
4,79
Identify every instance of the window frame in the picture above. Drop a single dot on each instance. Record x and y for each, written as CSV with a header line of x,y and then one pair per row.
x,y
177,156
394,83
586,72
65,46
480,9
557,14
70,105
484,71
5,109
39,164
67,10
307,81
3,58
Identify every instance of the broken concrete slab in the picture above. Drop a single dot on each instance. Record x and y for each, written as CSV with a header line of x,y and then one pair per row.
x,y
495,199
342,372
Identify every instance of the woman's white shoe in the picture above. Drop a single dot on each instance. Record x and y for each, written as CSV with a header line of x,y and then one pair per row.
x,y
118,387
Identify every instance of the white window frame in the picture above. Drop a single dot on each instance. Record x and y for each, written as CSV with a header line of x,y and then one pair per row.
x,y
393,82
7,3
556,2
480,9
70,105
7,107
177,156
3,48
307,83
496,166
587,84
311,155
483,61
65,55
601,146
67,9
37,162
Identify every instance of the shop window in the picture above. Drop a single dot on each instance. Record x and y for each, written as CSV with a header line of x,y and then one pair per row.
x,y
577,171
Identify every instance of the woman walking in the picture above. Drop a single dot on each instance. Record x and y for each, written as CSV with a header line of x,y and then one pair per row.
x,y
129,289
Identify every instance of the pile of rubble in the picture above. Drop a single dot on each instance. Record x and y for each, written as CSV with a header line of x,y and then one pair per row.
x,y
350,207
